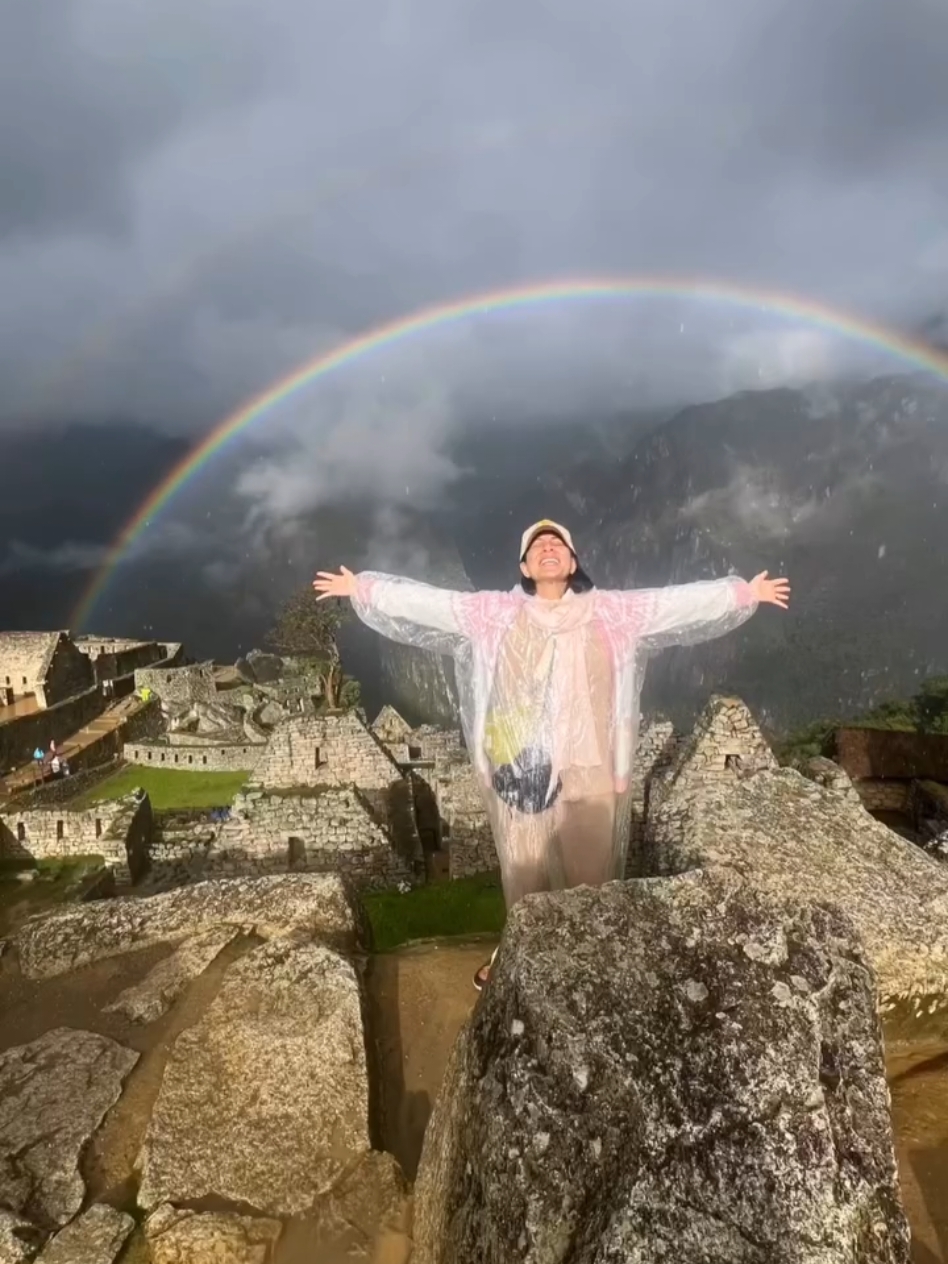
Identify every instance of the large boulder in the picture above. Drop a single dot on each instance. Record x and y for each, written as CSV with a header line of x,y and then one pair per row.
x,y
264,1102
19,1239
178,1236
54,1093
722,803
96,1237
680,1069
322,906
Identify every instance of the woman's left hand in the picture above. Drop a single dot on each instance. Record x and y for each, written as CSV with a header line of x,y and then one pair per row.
x,y
770,592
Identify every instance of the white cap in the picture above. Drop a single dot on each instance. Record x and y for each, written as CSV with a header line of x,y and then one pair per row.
x,y
540,528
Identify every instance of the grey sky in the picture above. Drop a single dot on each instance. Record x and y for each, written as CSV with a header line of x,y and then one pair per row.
x,y
199,194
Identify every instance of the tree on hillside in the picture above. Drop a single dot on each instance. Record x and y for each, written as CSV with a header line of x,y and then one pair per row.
x,y
309,629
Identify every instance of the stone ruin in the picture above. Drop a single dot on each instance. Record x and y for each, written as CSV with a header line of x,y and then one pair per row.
x,y
685,1066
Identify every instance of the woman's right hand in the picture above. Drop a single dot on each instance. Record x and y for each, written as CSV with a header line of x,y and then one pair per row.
x,y
328,584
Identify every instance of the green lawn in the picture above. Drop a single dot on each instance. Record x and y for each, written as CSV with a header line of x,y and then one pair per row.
x,y
55,881
465,907
168,789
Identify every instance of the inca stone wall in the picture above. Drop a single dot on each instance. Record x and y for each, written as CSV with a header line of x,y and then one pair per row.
x,y
59,790
198,758
466,827
654,751
46,664
119,831
790,834
884,796
20,737
114,657
69,673
24,660
194,683
330,831
147,722
331,750
389,727
725,744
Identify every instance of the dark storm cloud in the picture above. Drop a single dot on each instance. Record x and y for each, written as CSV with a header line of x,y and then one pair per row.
x,y
204,196
88,90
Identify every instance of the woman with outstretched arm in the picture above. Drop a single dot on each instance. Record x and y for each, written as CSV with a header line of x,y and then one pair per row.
x,y
549,676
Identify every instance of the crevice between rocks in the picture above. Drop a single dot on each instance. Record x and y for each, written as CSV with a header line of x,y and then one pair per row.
x,y
108,1160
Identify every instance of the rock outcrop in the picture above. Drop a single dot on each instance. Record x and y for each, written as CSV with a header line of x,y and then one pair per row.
x,y
20,1240
96,1237
680,1069
321,906
54,1093
264,1102
724,803
176,1236
145,1002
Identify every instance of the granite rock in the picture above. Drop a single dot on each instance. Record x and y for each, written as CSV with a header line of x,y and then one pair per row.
x,y
676,1069
264,1102
96,1237
145,1002
321,905
54,1093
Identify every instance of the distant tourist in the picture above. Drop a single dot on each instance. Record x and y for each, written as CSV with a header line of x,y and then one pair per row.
x,y
549,676
55,766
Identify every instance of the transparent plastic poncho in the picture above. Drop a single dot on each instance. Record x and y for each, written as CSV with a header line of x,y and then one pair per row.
x,y
549,702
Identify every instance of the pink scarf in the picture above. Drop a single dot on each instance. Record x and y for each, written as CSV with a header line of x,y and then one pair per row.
x,y
563,664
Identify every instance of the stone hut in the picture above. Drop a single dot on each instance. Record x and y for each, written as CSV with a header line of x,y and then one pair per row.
x,y
192,683
326,750
113,657
391,728
890,768
45,665
120,832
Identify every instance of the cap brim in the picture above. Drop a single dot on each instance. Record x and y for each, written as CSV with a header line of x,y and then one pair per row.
x,y
546,531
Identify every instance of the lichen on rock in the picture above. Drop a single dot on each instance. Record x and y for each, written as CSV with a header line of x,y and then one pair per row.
x,y
629,1089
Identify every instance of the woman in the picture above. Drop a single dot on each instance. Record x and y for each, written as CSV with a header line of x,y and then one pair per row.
x,y
549,676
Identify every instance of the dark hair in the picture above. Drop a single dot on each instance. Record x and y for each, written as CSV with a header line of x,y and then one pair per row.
x,y
579,582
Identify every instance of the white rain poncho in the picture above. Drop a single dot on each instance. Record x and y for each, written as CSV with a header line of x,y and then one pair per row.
x,y
549,700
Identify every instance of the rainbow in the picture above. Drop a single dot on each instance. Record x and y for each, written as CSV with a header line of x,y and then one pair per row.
x,y
442,314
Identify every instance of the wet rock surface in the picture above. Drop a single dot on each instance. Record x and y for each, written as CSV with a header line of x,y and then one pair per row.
x,y
145,1002
792,835
54,1093
20,1240
674,1069
96,1237
177,1236
321,906
264,1102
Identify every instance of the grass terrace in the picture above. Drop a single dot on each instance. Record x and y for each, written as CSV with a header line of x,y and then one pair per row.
x,y
168,789
30,886
467,906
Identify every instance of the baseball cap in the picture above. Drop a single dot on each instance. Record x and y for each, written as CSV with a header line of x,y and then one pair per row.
x,y
544,526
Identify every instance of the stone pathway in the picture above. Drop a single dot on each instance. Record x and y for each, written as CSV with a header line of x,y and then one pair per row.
x,y
419,999
24,777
